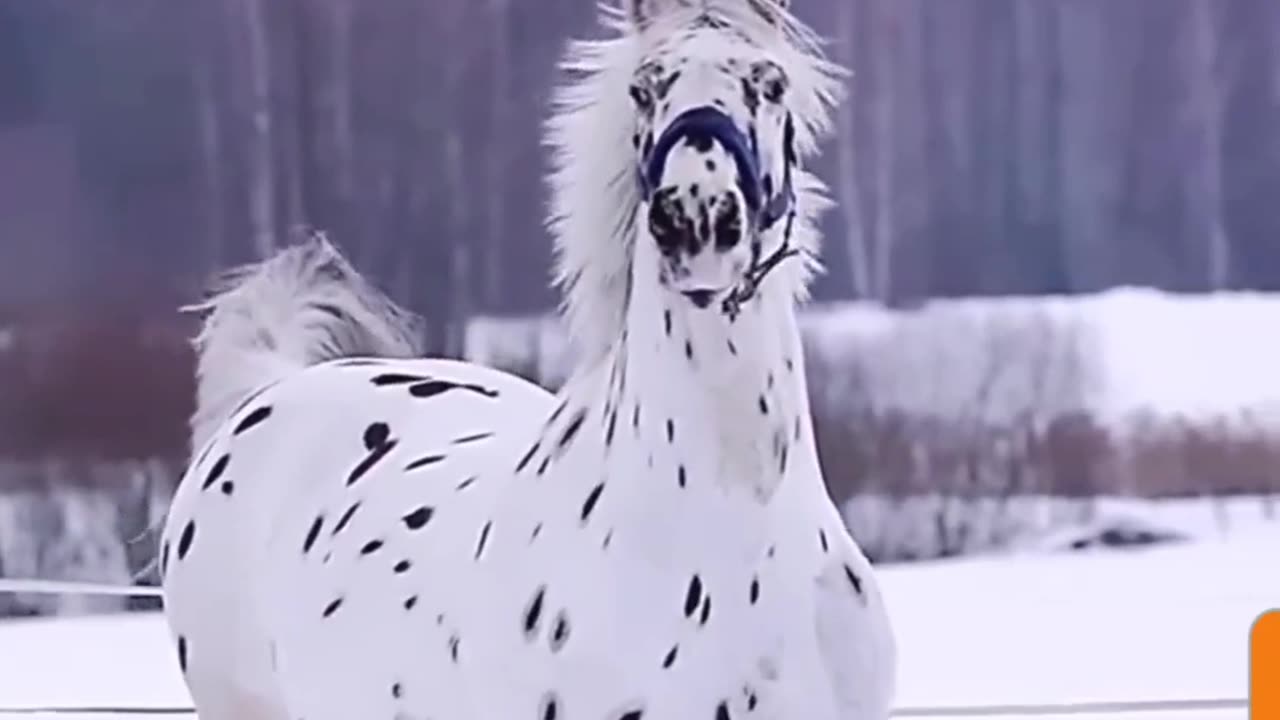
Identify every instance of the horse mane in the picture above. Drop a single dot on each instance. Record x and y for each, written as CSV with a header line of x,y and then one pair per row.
x,y
594,190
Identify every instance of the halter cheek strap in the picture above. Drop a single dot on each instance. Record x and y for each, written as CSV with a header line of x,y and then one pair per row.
x,y
707,121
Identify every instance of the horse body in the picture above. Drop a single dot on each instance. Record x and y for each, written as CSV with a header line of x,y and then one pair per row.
x,y
281,402
431,539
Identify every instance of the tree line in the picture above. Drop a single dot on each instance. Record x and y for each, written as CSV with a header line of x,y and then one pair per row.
x,y
987,147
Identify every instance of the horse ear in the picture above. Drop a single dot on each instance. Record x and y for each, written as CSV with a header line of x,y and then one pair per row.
x,y
771,10
642,12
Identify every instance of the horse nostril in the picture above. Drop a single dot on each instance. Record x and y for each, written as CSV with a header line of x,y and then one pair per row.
x,y
727,226
668,222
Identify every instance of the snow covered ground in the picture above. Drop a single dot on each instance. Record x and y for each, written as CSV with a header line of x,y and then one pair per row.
x,y
1029,627
1167,623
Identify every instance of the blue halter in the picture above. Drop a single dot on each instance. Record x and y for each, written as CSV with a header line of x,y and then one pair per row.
x,y
711,122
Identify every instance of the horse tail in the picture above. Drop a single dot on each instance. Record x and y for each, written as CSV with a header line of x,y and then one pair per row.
x,y
302,306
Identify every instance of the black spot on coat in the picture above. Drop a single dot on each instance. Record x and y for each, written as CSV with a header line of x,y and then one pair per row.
x,y
185,540
534,612
590,504
344,520
527,456
396,379
332,607
252,419
431,388
216,472
477,437
692,596
376,435
853,578
559,631
369,461
312,533
550,708
484,538
418,518
613,424
572,428
424,461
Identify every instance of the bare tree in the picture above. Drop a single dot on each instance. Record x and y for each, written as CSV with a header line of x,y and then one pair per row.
x,y
887,26
212,151
1207,83
262,173
336,95
497,151
460,250
846,155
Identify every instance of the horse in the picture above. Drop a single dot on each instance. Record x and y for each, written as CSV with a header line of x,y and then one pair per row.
x,y
364,531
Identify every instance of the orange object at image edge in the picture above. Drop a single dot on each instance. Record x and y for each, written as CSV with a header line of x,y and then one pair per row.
x,y
1264,667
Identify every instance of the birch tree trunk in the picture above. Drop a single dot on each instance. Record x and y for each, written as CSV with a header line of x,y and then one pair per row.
x,y
293,137
460,250
846,154
881,280
496,152
211,147
262,199
1035,77
1089,186
337,99
1206,85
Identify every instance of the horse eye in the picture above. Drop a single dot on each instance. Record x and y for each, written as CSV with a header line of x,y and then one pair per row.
x,y
771,79
641,96
775,89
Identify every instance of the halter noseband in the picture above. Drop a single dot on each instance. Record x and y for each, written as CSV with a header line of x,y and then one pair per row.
x,y
764,212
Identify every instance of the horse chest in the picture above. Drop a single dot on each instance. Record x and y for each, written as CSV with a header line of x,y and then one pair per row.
x,y
613,626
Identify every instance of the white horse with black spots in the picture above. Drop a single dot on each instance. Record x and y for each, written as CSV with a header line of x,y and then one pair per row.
x,y
366,536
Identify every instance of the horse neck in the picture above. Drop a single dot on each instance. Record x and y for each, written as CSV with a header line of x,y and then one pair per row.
x,y
723,399
687,428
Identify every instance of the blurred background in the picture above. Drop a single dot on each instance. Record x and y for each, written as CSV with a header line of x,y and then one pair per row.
x,y
1046,321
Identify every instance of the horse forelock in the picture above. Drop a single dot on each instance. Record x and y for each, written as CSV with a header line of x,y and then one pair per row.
x,y
593,182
